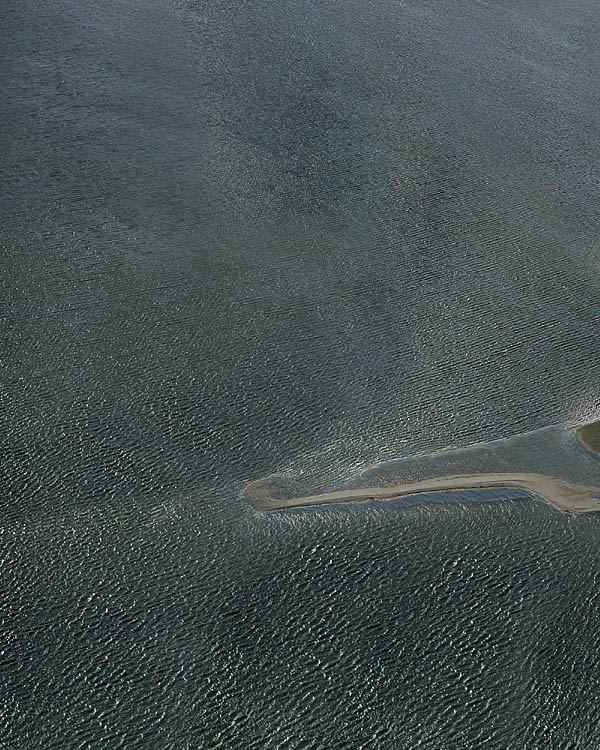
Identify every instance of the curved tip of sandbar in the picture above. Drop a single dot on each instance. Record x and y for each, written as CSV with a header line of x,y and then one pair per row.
x,y
259,494
589,434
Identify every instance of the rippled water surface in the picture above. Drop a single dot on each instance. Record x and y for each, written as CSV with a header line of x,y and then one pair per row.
x,y
301,237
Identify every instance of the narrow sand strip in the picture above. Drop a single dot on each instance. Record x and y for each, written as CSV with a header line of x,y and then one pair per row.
x,y
562,495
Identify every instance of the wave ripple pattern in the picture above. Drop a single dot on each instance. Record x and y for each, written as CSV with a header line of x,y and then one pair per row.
x,y
296,238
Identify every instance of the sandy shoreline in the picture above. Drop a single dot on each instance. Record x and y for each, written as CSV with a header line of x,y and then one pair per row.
x,y
562,495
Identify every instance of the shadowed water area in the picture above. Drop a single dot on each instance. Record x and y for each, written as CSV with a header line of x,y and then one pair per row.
x,y
303,239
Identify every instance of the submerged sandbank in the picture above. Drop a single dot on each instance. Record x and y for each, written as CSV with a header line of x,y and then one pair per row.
x,y
493,465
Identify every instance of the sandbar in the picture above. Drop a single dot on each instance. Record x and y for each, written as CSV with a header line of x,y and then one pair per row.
x,y
563,495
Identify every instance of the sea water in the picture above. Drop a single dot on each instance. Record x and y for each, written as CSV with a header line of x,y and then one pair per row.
x,y
244,238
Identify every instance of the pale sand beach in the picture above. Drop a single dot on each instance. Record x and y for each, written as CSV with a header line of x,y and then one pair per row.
x,y
563,495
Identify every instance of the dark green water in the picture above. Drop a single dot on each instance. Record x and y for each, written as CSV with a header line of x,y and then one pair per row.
x,y
247,237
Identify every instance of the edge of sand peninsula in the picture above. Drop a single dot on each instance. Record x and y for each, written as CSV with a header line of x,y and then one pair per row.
x,y
589,434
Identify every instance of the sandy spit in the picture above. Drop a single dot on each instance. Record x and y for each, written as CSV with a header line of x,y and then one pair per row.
x,y
562,495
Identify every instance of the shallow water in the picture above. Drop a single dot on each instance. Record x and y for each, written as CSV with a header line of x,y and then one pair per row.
x,y
241,238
